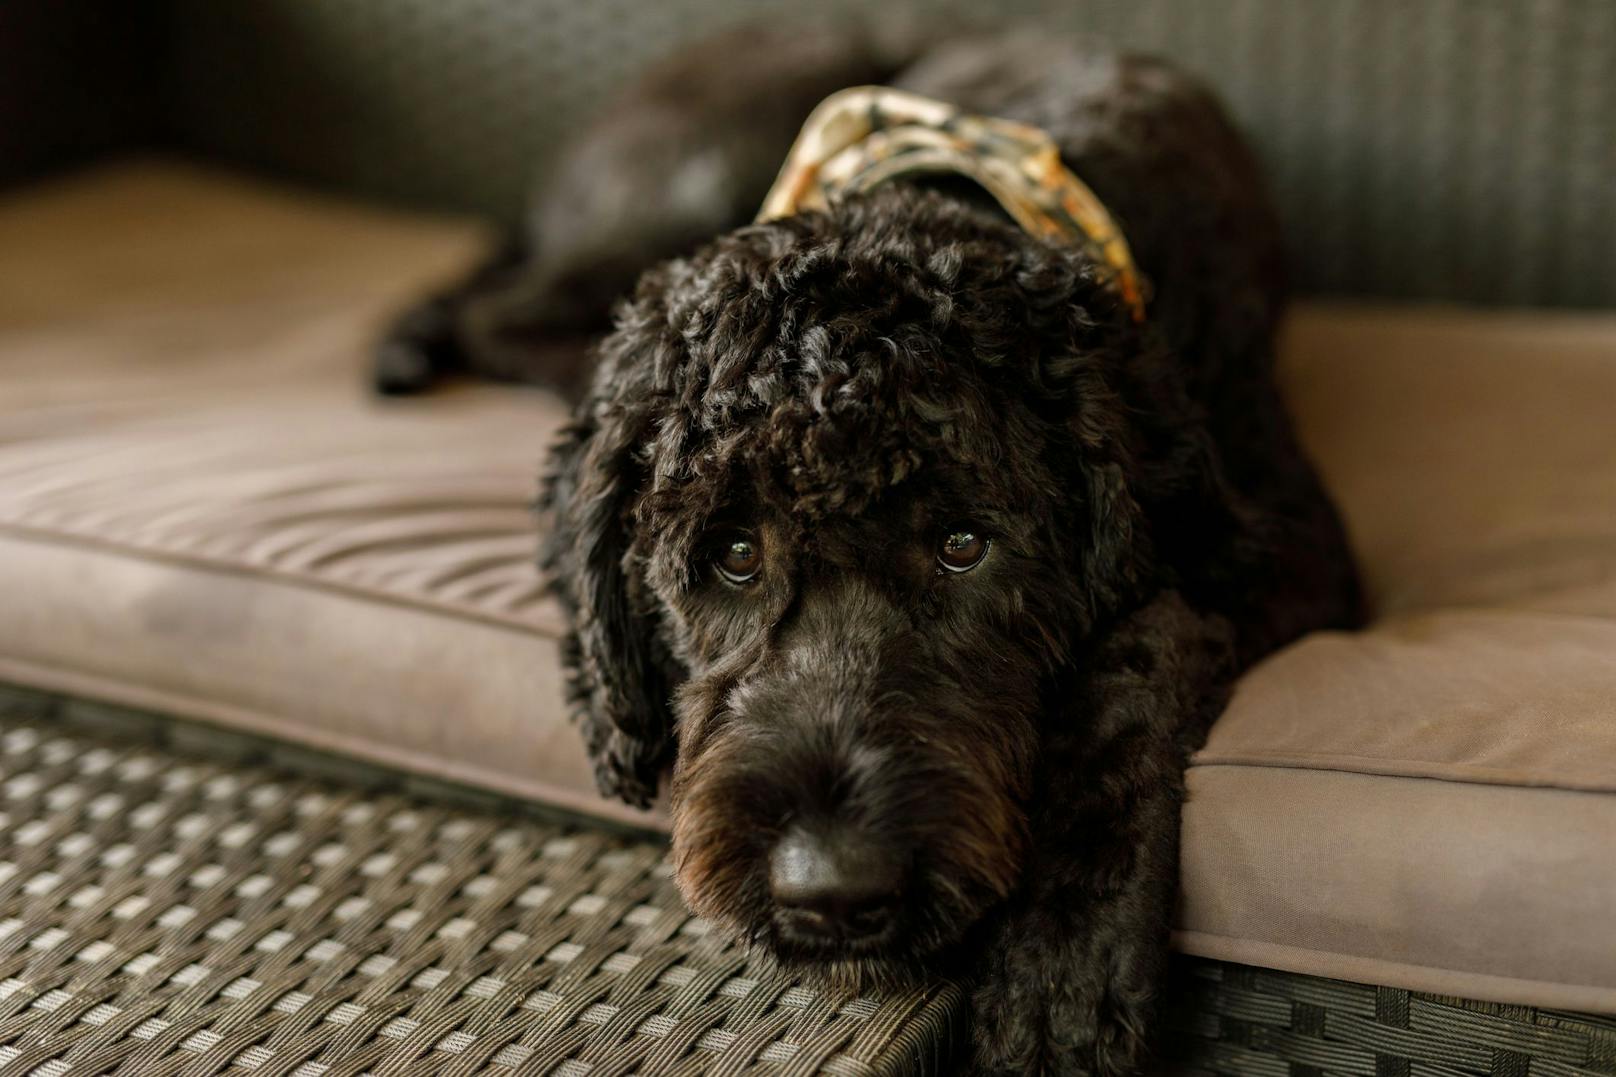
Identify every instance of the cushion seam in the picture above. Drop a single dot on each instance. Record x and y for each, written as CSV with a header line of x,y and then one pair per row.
x,y
1303,762
46,537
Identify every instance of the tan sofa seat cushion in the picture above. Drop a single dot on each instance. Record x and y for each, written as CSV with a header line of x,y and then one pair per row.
x,y
203,512
1432,802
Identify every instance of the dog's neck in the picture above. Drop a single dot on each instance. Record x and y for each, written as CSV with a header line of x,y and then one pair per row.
x,y
868,135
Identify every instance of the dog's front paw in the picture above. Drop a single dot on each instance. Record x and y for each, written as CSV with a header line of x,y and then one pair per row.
x,y
1057,998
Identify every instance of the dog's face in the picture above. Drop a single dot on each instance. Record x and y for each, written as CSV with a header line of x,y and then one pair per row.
x,y
847,498
856,727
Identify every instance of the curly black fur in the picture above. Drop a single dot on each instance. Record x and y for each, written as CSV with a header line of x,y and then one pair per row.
x,y
848,386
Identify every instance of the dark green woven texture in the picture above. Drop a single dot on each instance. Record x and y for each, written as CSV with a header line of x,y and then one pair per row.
x,y
1461,149
162,914
1245,1022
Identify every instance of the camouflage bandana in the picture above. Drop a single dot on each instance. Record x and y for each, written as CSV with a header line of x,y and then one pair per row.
x,y
864,136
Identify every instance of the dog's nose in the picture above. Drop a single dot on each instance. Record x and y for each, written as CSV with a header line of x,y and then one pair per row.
x,y
833,885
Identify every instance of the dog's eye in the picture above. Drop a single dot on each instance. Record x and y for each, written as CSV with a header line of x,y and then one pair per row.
x,y
738,557
962,549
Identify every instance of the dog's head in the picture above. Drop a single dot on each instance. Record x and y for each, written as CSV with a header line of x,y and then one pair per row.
x,y
849,493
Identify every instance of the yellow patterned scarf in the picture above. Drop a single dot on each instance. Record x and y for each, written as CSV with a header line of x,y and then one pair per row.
x,y
863,136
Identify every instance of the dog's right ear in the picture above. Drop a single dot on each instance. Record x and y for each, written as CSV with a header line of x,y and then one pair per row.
x,y
619,676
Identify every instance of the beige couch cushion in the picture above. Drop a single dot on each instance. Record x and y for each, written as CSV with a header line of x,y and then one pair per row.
x,y
203,512
1432,802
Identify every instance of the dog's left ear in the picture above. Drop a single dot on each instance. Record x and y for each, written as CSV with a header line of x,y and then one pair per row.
x,y
1161,512
1114,557
1153,490
619,675
1085,363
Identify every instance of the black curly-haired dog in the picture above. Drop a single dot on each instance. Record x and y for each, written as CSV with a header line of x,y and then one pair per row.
x,y
920,562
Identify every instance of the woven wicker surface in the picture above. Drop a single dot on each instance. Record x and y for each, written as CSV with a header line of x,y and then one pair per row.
x,y
166,912
170,903
1233,1019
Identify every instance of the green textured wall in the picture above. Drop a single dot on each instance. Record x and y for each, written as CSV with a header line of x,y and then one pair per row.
x,y
1460,149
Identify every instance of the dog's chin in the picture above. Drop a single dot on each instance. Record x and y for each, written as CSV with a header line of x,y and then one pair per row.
x,y
788,944
929,937
890,959
848,967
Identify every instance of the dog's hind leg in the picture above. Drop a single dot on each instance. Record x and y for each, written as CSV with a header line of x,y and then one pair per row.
x,y
683,154
425,342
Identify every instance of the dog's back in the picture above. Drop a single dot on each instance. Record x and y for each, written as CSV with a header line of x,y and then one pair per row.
x,y
689,152
1157,148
